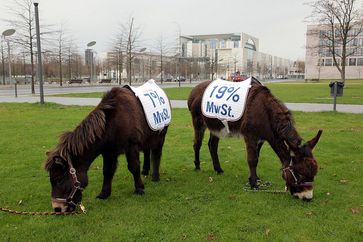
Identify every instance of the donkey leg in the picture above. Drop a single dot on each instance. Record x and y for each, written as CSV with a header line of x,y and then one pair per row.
x,y
156,156
198,138
109,168
259,146
253,149
213,149
146,165
133,164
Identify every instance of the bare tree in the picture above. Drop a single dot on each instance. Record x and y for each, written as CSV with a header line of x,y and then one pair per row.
x,y
131,34
73,59
24,25
62,44
162,48
118,56
300,65
342,23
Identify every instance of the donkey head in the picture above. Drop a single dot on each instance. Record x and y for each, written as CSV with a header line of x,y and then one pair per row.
x,y
300,172
67,183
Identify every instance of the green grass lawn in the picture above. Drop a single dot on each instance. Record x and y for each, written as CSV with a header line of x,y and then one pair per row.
x,y
292,92
184,205
316,92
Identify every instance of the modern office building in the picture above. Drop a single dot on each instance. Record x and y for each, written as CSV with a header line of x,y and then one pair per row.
x,y
231,52
319,62
202,57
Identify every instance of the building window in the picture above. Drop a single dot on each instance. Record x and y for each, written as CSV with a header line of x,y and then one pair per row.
x,y
328,62
359,61
250,44
322,62
236,44
322,33
352,61
183,50
222,44
213,44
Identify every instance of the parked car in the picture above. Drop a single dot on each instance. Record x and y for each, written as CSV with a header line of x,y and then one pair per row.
x,y
181,78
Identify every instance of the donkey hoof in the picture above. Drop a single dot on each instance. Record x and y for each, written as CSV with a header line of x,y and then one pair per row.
x,y
155,178
220,172
139,192
197,168
145,173
103,195
255,187
197,165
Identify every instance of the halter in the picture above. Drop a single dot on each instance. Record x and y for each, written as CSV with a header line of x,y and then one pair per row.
x,y
75,188
301,184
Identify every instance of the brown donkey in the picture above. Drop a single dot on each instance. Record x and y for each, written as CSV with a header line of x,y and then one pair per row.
x,y
116,126
265,119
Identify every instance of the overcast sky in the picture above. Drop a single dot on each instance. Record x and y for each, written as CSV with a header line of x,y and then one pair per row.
x,y
279,25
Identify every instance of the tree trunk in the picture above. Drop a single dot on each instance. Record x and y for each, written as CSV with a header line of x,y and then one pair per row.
x,y
161,68
32,64
3,63
60,71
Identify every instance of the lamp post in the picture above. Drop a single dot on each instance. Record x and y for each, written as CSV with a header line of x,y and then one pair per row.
x,y
39,49
89,59
8,33
2,60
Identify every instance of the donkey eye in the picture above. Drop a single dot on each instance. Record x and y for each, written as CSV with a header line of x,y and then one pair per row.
x,y
58,177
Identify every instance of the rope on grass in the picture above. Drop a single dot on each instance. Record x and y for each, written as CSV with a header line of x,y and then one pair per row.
x,y
262,187
81,211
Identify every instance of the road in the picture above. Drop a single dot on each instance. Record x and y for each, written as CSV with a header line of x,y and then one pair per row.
x,y
51,89
7,95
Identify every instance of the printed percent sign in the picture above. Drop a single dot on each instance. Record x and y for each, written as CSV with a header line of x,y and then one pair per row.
x,y
155,96
223,90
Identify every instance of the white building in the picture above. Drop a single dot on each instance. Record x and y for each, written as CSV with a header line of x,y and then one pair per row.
x,y
231,52
319,60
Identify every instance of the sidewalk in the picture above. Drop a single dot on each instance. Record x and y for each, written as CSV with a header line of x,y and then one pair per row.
x,y
305,107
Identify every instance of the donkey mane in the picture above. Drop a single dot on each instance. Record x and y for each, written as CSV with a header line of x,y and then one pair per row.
x,y
281,117
74,143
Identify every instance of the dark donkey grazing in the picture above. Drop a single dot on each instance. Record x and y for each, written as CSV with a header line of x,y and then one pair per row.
x,y
265,119
116,126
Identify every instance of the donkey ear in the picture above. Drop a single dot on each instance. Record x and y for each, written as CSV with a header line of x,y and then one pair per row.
x,y
314,140
58,161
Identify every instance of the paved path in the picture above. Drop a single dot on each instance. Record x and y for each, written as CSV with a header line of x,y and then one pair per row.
x,y
306,107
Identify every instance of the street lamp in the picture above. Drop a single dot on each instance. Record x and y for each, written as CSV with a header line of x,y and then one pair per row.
x,y
39,49
3,60
8,33
89,58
